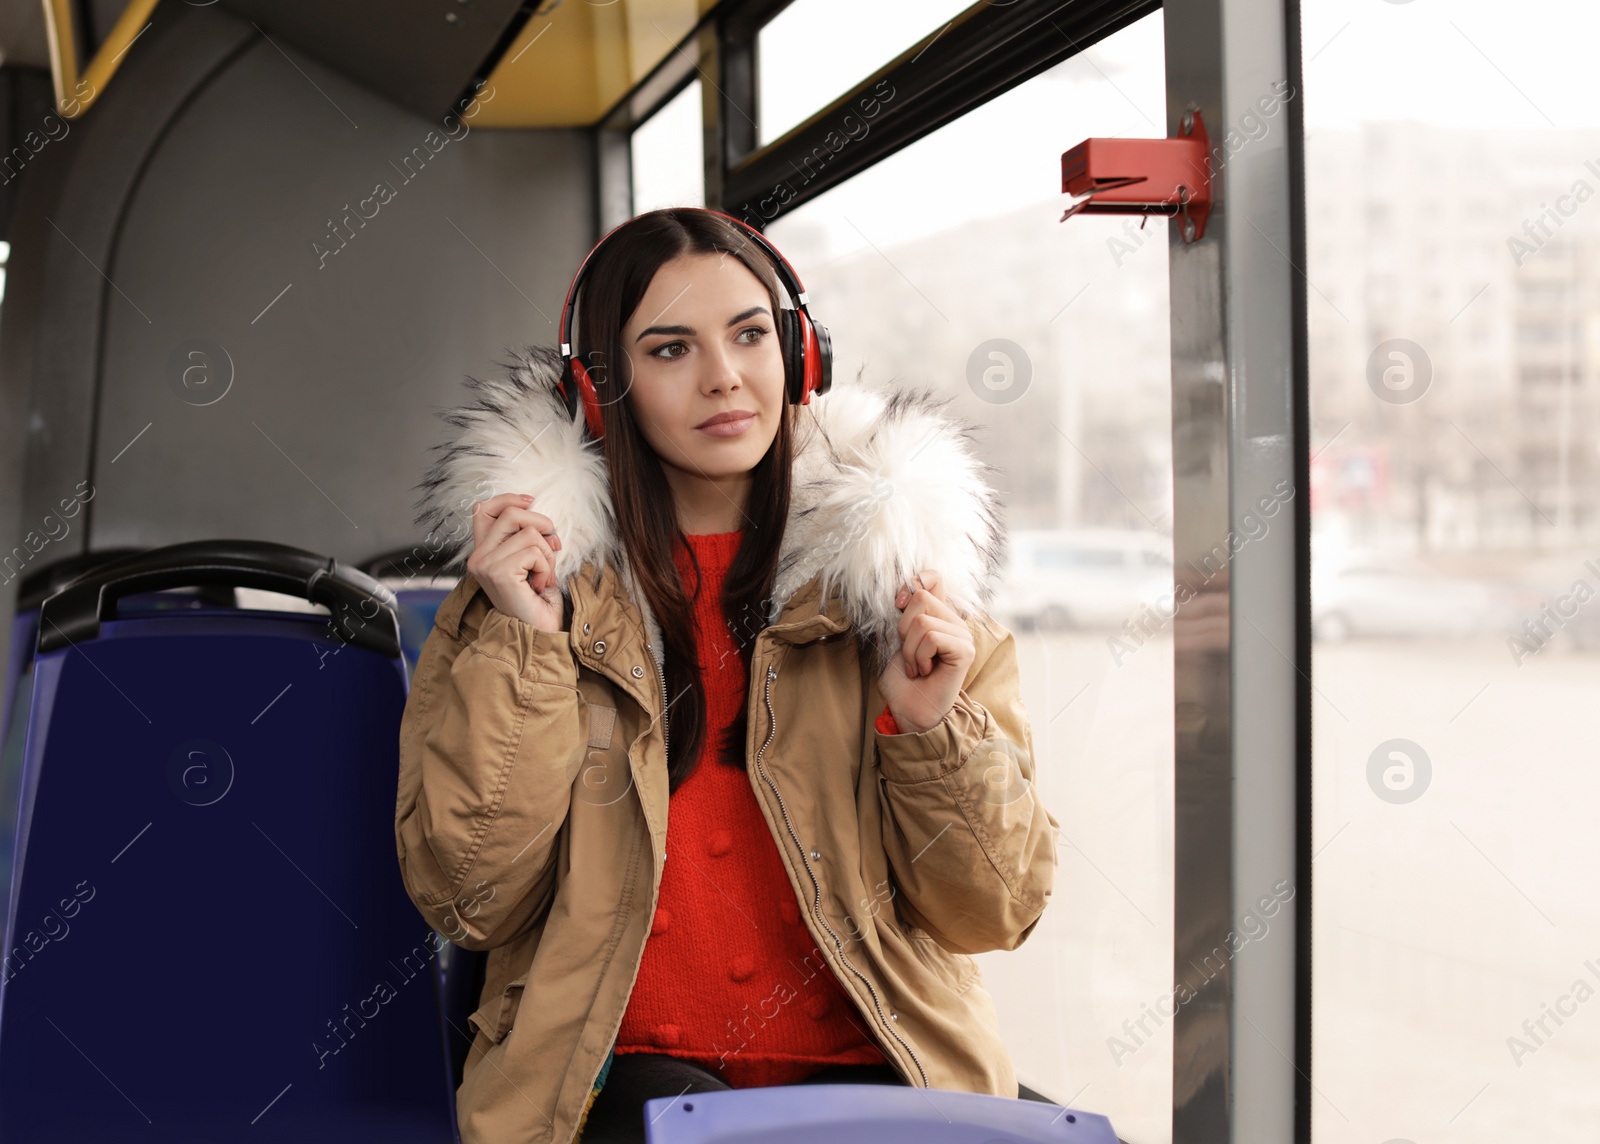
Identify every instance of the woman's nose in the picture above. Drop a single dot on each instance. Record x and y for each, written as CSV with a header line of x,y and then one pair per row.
x,y
721,375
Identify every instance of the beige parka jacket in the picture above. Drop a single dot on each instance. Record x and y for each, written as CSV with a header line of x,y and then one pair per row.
x,y
531,818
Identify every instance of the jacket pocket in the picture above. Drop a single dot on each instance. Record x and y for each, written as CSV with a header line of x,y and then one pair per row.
x,y
495,1016
956,970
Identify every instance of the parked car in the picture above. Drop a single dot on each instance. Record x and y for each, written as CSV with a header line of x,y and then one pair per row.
x,y
1082,578
1381,593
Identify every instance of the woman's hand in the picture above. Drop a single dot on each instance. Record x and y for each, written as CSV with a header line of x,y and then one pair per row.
x,y
513,559
920,684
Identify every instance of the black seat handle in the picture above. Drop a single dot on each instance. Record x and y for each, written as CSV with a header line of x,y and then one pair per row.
x,y
364,612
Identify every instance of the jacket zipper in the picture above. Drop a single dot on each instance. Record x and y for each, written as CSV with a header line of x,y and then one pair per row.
x,y
662,673
816,887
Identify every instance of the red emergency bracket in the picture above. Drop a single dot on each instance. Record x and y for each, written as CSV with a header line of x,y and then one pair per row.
x,y
1144,177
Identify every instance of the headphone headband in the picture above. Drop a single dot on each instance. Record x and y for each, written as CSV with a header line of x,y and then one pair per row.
x,y
786,273
814,348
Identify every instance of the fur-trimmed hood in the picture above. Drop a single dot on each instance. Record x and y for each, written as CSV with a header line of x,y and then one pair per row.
x,y
885,483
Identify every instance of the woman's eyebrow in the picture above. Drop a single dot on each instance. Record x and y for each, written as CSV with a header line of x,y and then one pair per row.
x,y
688,331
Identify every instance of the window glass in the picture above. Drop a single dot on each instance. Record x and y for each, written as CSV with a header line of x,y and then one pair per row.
x,y
814,51
1079,558
1453,243
668,155
946,267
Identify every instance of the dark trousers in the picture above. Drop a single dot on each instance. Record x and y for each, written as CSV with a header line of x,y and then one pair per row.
x,y
618,1113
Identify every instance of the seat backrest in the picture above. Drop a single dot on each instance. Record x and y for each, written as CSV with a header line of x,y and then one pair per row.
x,y
18,687
13,725
417,608
210,936
865,1114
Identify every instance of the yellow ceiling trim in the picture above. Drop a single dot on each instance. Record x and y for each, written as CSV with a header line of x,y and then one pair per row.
x,y
573,61
76,93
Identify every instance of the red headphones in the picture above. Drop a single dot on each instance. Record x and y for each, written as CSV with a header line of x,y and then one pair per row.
x,y
807,349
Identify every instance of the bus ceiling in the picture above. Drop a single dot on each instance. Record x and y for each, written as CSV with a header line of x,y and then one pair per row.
x,y
429,58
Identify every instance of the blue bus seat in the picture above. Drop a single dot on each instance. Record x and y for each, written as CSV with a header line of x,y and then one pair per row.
x,y
209,935
34,589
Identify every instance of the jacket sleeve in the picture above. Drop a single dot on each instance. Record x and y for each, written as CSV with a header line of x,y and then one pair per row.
x,y
971,846
490,745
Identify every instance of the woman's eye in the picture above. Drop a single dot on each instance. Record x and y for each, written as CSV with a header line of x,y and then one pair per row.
x,y
657,352
757,330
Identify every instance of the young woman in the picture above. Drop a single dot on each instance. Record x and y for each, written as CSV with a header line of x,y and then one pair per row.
x,y
712,747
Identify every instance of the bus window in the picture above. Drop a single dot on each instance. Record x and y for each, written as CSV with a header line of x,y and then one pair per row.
x,y
816,50
667,153
945,267
1451,254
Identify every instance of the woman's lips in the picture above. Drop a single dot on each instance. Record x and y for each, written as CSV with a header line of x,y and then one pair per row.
x,y
731,428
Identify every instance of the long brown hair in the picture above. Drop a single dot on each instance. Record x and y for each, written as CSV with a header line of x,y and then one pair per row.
x,y
617,278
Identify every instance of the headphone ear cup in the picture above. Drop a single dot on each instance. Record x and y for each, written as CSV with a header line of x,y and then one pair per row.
x,y
819,360
792,340
584,387
567,387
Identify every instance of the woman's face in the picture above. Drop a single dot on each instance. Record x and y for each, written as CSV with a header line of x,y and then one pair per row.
x,y
704,342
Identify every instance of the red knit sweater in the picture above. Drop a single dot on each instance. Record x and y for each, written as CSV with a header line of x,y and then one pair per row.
x,y
730,977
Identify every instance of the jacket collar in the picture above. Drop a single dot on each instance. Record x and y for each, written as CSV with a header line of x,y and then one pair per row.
x,y
885,483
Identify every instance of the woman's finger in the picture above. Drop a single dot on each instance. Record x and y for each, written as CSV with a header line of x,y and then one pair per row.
x,y
928,579
486,512
932,580
513,519
528,553
923,602
509,560
927,640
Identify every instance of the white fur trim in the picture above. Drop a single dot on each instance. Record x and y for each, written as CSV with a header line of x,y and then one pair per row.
x,y
885,483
